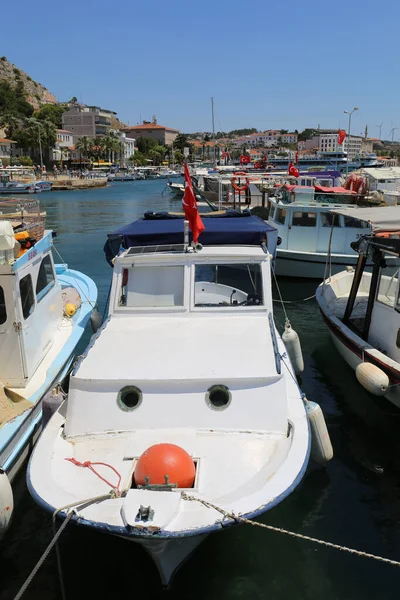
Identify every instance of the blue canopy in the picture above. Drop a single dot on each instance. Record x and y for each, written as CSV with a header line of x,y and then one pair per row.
x,y
230,228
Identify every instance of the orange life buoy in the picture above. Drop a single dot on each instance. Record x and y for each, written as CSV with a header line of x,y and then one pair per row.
x,y
240,188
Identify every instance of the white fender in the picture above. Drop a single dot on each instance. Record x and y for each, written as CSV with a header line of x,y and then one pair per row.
x,y
293,347
6,502
321,446
372,378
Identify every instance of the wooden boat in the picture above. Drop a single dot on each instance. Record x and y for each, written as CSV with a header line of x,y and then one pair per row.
x,y
201,366
361,309
44,309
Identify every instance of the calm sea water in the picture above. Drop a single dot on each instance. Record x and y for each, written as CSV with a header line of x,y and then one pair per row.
x,y
355,501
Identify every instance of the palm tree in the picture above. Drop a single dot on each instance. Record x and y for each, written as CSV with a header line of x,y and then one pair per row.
x,y
10,123
84,146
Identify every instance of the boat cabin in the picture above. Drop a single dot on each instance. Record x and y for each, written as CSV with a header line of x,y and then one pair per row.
x,y
309,226
30,308
373,302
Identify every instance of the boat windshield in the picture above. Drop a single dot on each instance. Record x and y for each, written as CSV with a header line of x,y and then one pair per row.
x,y
228,285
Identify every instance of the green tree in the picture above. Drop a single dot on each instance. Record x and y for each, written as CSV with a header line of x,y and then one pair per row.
x,y
84,147
111,144
51,112
144,144
37,133
306,134
179,157
11,123
12,100
138,159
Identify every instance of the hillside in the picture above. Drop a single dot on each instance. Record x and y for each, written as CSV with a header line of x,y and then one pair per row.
x,y
36,93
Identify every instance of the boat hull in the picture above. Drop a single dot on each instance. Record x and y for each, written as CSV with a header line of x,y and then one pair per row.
x,y
312,265
352,349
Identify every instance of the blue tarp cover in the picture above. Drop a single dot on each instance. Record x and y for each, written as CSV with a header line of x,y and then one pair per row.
x,y
232,228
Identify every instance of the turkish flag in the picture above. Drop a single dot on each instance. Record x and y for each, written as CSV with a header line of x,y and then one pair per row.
x,y
189,205
244,159
341,136
292,170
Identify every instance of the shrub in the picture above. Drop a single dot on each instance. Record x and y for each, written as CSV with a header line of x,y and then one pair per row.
x,y
3,58
17,72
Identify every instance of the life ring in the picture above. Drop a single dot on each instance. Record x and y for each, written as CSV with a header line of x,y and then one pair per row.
x,y
240,188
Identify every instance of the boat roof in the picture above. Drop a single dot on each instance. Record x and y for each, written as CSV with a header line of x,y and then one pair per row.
x,y
227,228
381,219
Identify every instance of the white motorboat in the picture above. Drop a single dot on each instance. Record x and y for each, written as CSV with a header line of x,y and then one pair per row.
x,y
7,186
361,309
189,356
314,242
178,189
44,309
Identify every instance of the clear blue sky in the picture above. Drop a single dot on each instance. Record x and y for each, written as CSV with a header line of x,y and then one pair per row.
x,y
283,64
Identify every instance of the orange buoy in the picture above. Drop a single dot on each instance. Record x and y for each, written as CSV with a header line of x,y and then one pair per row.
x,y
165,459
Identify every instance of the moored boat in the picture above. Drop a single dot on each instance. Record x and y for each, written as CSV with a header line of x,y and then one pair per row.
x,y
361,309
314,241
44,309
200,366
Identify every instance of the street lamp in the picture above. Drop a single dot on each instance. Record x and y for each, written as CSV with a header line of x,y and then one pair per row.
x,y
347,112
40,147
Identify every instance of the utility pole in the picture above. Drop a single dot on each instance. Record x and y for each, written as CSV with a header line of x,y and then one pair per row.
x,y
347,112
213,129
40,148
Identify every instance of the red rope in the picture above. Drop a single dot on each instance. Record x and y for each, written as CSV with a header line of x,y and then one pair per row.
x,y
89,464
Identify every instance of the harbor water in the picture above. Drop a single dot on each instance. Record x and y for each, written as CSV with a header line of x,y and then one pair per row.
x,y
354,501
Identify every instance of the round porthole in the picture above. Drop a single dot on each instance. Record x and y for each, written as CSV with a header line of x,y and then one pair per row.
x,y
129,397
218,397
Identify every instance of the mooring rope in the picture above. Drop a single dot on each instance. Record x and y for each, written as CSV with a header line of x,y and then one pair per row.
x,y
301,536
79,504
294,301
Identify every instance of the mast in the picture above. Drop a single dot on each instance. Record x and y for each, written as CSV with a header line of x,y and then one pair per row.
x,y
213,127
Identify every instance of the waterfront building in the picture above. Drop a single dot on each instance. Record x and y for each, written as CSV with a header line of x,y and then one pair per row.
x,y
89,121
6,149
63,146
163,135
128,145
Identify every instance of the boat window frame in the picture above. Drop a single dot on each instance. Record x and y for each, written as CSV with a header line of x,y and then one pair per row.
x,y
118,309
3,303
395,297
33,304
50,285
306,212
234,308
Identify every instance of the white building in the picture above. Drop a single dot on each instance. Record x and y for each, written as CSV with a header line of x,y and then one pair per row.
x,y
128,146
6,149
289,138
62,148
328,142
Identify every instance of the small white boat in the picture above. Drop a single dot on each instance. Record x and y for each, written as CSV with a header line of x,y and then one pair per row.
x,y
120,177
199,364
313,241
361,309
44,309
178,189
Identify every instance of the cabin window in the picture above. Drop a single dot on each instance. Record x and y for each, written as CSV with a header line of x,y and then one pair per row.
x,y
280,215
352,222
304,219
27,296
328,218
3,311
228,285
387,288
45,280
153,287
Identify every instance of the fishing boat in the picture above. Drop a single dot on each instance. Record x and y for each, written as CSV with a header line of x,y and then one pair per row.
x,y
361,309
7,186
201,378
44,186
44,309
314,242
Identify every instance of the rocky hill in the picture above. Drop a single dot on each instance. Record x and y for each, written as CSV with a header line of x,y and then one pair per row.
x,y
36,93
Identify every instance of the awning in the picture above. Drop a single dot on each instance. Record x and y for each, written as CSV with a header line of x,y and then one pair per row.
x,y
385,218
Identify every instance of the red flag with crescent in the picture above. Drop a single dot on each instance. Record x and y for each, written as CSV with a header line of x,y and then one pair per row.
x,y
189,205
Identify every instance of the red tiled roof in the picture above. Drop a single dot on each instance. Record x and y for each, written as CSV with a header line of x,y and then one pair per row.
x,y
63,131
5,141
149,126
